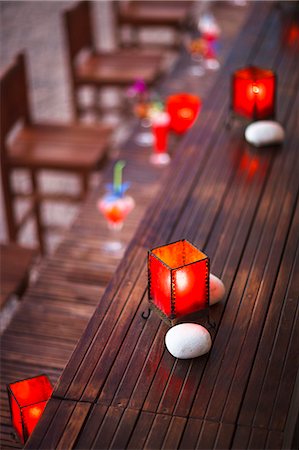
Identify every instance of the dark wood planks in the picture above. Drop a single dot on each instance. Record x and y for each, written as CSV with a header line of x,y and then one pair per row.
x,y
135,394
168,208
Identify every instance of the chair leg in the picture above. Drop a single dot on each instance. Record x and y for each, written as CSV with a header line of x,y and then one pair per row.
x,y
98,102
85,183
75,101
135,39
8,197
37,212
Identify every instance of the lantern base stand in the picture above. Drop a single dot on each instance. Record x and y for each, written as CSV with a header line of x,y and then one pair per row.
x,y
210,324
201,317
14,436
145,315
232,118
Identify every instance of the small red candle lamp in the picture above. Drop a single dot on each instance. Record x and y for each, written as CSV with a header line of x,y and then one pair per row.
x,y
178,280
27,400
183,110
253,93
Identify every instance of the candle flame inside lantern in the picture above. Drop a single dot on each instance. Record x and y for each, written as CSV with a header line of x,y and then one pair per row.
x,y
186,113
28,399
253,93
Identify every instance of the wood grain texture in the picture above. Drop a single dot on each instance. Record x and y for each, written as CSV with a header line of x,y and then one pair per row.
x,y
121,388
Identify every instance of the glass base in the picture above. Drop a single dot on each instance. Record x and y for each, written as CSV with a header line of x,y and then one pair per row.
x,y
146,123
196,71
239,2
114,247
145,139
115,226
212,64
160,159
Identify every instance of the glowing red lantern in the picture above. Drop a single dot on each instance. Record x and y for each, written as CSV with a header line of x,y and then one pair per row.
x,y
178,278
183,110
291,34
27,400
253,93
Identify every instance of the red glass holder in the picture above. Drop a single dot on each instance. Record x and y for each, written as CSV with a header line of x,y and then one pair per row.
x,y
27,401
178,280
253,93
183,109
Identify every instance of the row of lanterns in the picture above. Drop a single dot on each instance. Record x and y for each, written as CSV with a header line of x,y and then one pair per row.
x,y
178,273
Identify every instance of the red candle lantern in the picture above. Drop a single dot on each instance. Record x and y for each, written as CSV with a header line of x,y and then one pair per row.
x,y
178,279
183,110
253,93
27,400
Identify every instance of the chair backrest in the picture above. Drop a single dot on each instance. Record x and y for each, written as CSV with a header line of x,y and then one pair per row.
x,y
14,97
14,109
78,29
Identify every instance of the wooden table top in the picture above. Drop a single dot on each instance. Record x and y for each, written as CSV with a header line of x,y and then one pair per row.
x,y
121,387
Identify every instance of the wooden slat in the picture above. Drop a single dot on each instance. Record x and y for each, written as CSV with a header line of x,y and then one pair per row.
x,y
147,237
149,403
70,415
174,433
124,429
279,327
121,388
213,362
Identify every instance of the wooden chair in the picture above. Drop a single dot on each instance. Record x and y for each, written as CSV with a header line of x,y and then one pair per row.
x,y
95,69
173,15
15,265
38,146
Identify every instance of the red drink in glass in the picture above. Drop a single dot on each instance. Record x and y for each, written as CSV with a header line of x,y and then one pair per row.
x,y
115,209
160,127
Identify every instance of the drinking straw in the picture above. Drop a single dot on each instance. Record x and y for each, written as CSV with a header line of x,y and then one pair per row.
x,y
117,176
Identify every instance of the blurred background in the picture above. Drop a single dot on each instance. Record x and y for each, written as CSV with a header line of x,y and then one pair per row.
x,y
37,27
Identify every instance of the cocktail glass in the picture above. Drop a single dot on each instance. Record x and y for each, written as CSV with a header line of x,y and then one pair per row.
x,y
138,96
115,205
160,129
144,138
210,32
196,49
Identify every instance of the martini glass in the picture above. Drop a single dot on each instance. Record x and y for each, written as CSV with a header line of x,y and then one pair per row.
x,y
116,205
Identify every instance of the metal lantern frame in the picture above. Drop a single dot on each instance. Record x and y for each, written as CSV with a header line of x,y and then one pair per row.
x,y
255,115
11,395
173,318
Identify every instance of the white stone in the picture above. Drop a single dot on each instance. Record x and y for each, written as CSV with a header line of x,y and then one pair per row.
x,y
188,340
264,132
217,289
